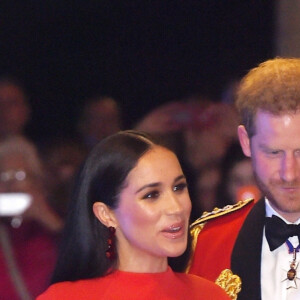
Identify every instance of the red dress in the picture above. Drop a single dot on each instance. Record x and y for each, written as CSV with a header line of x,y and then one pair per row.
x,y
145,286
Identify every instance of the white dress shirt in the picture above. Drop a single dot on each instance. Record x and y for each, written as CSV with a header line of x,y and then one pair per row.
x,y
275,265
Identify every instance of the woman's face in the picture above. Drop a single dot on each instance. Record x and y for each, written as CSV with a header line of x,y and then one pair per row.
x,y
154,209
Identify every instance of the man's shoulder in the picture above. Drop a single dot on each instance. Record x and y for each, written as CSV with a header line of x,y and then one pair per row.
x,y
214,232
225,214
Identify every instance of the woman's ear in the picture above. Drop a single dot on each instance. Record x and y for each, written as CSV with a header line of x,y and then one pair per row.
x,y
244,140
104,214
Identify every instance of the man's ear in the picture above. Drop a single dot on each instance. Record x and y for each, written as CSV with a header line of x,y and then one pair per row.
x,y
104,214
244,140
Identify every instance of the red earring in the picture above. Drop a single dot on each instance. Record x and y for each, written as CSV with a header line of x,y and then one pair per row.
x,y
110,252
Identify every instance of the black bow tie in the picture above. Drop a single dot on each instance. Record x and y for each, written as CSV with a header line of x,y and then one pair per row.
x,y
277,231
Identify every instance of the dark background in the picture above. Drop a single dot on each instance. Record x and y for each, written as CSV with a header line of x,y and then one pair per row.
x,y
143,53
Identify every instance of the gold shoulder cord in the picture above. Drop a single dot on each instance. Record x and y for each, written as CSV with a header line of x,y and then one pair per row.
x,y
232,284
227,280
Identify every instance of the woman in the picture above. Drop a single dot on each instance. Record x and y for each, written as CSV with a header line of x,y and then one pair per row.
x,y
131,212
29,234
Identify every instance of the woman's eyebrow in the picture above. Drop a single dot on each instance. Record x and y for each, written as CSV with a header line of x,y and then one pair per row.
x,y
154,184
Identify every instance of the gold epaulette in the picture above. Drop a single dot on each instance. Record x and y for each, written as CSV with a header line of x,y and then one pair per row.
x,y
217,212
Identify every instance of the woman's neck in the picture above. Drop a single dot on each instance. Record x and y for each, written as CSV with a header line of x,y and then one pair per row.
x,y
142,264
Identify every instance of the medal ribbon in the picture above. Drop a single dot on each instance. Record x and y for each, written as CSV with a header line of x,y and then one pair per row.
x,y
291,248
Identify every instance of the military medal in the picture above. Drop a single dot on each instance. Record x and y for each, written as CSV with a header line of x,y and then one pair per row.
x,y
292,272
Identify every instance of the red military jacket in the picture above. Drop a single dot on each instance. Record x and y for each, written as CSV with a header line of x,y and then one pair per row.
x,y
213,247
219,234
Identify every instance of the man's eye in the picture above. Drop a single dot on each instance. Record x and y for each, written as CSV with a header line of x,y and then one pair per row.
x,y
274,152
151,195
180,186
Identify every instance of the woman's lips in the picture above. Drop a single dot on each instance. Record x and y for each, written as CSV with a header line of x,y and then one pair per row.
x,y
174,231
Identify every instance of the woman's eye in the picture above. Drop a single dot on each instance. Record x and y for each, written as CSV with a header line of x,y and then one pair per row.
x,y
151,195
180,186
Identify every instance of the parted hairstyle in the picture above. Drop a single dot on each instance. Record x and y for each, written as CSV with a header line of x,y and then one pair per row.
x,y
273,87
102,178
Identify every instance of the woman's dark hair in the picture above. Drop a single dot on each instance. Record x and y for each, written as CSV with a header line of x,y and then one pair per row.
x,y
84,242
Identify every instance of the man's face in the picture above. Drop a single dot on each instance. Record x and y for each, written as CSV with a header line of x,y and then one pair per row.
x,y
103,119
275,153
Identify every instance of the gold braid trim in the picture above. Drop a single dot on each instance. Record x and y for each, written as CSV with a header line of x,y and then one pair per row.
x,y
194,234
230,283
217,212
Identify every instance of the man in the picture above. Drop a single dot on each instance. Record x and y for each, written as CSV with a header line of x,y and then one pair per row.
x,y
14,108
249,238
101,117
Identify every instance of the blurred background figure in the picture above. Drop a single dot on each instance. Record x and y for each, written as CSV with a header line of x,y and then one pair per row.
x,y
163,123
208,144
14,108
207,128
28,239
237,181
224,182
205,195
101,117
62,159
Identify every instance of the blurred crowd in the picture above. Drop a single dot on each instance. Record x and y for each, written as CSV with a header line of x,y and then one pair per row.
x,y
202,132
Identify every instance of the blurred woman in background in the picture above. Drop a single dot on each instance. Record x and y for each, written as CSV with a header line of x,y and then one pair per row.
x,y
29,227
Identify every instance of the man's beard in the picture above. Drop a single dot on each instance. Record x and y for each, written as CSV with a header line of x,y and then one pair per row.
x,y
265,191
